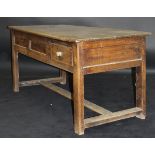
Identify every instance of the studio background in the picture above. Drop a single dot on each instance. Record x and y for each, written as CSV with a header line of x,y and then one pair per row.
x,y
29,113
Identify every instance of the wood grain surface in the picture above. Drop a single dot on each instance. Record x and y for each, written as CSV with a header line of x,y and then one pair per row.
x,y
73,33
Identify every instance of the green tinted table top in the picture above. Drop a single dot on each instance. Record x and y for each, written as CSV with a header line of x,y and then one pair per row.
x,y
78,33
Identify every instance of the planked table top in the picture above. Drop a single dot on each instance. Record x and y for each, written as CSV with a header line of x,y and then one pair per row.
x,y
73,33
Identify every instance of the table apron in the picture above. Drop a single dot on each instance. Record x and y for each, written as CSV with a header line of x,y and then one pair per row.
x,y
112,66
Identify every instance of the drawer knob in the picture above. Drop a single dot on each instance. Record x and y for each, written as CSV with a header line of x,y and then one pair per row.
x,y
59,54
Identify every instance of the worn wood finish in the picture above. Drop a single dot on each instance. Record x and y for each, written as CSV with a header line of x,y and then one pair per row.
x,y
111,66
115,116
68,95
97,56
78,92
61,54
111,54
71,33
21,39
141,84
15,65
123,41
45,51
83,50
32,53
37,82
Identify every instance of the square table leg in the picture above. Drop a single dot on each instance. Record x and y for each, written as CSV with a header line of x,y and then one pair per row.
x,y
78,93
141,90
141,86
15,66
78,98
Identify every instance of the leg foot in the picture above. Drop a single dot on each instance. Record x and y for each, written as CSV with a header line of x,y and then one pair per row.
x,y
63,75
141,116
79,133
16,90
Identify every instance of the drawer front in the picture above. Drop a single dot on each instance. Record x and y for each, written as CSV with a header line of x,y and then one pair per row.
x,y
110,54
39,44
33,46
61,54
21,39
56,53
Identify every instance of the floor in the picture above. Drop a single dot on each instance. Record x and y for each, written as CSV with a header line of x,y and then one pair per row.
x,y
38,112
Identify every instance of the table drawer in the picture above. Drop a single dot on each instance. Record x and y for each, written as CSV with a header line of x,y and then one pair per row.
x,y
21,39
45,50
34,46
110,54
61,54
39,44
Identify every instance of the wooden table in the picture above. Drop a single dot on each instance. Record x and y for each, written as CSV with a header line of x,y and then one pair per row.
x,y
83,50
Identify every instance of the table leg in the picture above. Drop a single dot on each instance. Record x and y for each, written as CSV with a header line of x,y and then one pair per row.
x,y
141,87
78,98
15,67
78,93
63,75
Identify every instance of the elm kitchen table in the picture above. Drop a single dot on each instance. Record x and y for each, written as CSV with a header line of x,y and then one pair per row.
x,y
83,50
